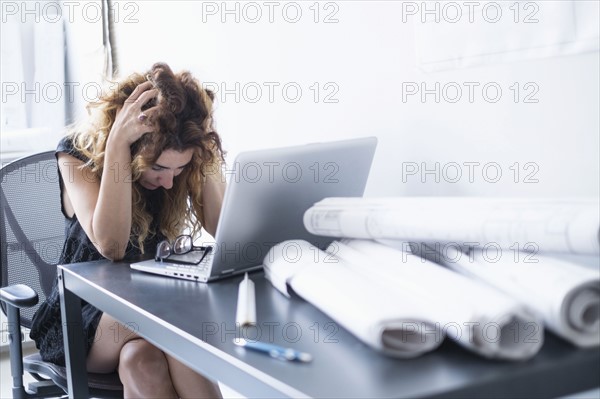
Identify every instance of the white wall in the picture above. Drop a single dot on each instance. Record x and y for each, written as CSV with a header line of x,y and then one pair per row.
x,y
369,55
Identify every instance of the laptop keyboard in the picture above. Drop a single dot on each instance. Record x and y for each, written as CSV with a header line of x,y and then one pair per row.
x,y
190,270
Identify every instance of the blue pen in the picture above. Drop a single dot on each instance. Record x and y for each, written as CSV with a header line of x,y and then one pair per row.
x,y
275,351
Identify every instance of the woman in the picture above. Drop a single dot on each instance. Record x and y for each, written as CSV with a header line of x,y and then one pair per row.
x,y
145,169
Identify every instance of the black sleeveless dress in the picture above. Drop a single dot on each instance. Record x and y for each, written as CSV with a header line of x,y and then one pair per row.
x,y
46,329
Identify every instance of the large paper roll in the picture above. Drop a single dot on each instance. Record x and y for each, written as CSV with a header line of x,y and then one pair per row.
x,y
392,322
477,316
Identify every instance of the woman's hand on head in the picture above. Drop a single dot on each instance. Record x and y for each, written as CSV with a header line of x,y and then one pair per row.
x,y
131,123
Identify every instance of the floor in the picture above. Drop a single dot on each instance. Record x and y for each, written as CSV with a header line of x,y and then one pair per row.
x,y
6,381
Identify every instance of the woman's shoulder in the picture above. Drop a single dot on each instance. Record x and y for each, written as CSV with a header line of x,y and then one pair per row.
x,y
67,145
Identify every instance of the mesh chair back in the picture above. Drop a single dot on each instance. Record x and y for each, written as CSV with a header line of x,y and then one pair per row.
x,y
32,226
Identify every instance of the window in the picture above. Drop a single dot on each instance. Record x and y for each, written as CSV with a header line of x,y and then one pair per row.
x,y
53,59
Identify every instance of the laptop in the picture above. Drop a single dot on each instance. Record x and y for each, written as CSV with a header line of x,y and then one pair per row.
x,y
267,194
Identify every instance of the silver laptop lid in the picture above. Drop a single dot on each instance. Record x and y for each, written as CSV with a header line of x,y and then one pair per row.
x,y
268,192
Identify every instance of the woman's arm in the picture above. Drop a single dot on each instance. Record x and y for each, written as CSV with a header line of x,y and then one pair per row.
x,y
103,207
97,205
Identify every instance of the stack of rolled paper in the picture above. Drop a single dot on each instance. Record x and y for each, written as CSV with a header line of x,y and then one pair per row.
x,y
401,304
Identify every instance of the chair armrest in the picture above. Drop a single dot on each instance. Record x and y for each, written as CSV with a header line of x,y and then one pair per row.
x,y
19,296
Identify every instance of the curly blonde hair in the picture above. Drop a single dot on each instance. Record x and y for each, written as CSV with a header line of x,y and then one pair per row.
x,y
184,120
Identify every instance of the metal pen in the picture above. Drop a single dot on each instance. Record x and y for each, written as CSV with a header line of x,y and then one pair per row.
x,y
275,351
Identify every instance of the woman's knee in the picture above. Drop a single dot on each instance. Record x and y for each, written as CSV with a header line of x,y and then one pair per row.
x,y
143,360
110,338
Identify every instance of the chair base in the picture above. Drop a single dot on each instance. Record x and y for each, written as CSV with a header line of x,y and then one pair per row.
x,y
101,385
40,389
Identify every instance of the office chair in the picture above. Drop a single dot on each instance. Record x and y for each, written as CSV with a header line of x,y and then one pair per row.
x,y
32,233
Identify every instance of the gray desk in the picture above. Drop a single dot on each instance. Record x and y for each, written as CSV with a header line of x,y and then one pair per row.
x,y
195,323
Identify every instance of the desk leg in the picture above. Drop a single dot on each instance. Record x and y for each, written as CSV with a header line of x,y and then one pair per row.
x,y
73,341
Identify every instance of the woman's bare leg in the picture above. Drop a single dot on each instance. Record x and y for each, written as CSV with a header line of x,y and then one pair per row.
x,y
144,371
143,368
190,384
111,336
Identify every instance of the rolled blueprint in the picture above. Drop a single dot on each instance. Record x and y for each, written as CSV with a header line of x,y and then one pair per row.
x,y
390,321
565,295
552,225
480,318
